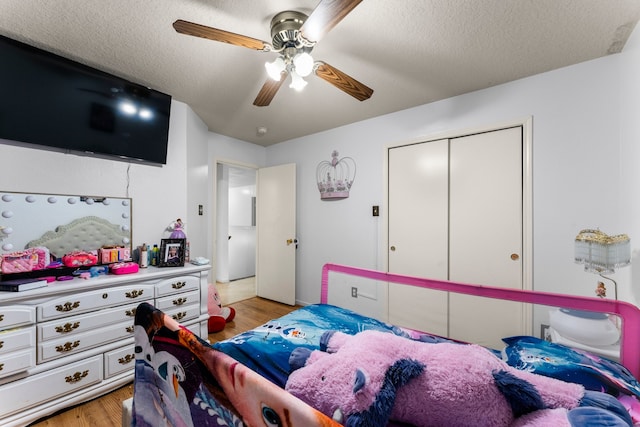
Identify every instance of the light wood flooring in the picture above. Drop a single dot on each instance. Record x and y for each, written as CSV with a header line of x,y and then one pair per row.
x,y
236,290
106,411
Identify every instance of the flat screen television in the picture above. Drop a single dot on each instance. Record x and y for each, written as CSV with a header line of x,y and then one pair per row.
x,y
54,102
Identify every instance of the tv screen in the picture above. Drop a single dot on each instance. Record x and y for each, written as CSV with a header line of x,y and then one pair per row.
x,y
51,101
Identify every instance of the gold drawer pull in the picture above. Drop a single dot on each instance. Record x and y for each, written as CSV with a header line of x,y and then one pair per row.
x,y
76,377
127,359
67,327
178,285
1,344
68,306
68,346
130,329
131,313
134,294
179,301
179,316
1,317
1,366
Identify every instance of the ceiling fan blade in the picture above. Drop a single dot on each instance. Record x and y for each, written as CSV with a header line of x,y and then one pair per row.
x,y
197,30
343,82
268,91
325,16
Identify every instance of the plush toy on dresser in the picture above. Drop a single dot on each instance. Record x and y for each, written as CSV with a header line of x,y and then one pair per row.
x,y
219,316
373,378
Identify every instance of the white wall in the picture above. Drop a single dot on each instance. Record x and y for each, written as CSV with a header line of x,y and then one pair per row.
x,y
584,174
629,173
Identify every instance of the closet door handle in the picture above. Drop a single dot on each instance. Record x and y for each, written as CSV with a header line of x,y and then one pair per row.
x,y
393,248
515,257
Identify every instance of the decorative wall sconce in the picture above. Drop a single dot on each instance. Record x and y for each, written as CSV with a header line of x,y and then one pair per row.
x,y
335,177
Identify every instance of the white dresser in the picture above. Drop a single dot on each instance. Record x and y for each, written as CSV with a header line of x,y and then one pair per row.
x,y
73,340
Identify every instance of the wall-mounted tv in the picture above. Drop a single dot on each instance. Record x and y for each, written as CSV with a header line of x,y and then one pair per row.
x,y
56,103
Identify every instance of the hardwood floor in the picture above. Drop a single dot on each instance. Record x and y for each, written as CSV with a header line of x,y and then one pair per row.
x,y
106,411
236,290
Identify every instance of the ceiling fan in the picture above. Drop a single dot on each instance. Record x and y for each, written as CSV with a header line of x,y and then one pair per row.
x,y
294,35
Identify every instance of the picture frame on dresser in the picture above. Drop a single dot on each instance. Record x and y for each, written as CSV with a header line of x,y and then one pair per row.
x,y
172,253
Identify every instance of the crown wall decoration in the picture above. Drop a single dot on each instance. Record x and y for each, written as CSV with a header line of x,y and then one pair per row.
x,y
335,177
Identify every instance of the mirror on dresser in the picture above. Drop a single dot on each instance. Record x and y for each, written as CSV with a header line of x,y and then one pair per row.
x,y
63,222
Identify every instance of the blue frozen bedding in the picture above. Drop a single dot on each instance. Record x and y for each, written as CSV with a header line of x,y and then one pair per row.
x,y
266,349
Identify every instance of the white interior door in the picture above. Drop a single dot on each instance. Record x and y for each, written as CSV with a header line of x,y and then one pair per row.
x,y
276,233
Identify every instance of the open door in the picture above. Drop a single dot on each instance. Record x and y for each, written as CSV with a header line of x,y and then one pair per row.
x,y
276,233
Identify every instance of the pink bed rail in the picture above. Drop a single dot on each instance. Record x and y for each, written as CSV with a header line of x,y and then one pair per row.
x,y
629,313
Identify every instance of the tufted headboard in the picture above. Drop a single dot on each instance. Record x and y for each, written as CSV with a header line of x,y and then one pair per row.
x,y
83,234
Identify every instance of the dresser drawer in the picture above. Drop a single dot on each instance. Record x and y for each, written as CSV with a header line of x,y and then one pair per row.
x,y
177,284
93,300
183,313
172,301
53,349
68,326
20,395
16,362
17,315
17,339
119,360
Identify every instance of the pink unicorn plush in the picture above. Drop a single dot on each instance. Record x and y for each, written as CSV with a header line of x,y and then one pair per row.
x,y
375,378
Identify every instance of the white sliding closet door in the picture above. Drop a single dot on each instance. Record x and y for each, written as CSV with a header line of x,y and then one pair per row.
x,y
418,236
485,233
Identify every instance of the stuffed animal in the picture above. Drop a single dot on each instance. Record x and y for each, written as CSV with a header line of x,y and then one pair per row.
x,y
372,378
219,316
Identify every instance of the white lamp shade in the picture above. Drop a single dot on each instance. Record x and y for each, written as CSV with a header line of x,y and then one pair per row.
x,y
297,82
601,253
303,63
275,68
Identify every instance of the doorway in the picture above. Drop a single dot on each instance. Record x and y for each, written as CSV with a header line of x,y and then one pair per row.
x,y
236,232
273,207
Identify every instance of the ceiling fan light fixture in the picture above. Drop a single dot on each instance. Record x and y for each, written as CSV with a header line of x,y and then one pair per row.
x,y
275,68
303,63
297,82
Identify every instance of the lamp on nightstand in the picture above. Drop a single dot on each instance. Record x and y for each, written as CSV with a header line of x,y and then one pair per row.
x,y
602,254
595,332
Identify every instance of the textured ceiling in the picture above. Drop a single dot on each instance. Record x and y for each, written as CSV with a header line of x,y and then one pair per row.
x,y
410,52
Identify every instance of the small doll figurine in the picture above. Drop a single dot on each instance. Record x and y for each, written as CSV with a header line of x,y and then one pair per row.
x,y
601,290
176,229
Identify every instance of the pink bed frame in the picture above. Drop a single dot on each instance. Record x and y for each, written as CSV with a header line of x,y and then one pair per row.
x,y
629,313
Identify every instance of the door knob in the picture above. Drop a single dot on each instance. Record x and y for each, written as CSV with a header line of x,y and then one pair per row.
x,y
515,257
393,248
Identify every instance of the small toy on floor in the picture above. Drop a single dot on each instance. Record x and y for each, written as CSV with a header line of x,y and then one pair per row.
x,y
219,316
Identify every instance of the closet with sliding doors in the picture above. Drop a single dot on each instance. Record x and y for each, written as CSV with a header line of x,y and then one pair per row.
x,y
457,210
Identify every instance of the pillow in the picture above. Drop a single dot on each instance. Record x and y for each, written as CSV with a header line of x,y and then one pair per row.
x,y
557,361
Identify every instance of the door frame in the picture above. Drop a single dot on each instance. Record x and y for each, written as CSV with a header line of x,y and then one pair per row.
x,y
527,195
214,205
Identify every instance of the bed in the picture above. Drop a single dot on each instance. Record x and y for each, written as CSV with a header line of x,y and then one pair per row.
x,y
277,374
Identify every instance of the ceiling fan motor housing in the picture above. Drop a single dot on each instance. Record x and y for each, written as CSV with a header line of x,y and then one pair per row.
x,y
285,30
